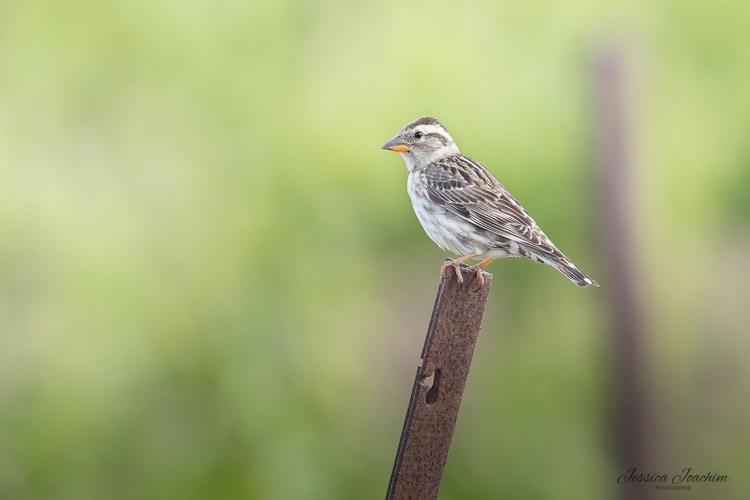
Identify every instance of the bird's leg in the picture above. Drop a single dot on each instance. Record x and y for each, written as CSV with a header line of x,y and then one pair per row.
x,y
478,270
456,265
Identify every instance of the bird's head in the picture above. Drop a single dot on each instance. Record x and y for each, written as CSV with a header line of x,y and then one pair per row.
x,y
422,141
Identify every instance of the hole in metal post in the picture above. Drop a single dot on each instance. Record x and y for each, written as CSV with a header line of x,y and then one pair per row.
x,y
432,394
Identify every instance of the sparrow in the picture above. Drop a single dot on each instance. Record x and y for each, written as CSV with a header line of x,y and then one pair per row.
x,y
465,210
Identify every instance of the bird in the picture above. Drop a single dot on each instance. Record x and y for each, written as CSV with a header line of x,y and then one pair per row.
x,y
465,210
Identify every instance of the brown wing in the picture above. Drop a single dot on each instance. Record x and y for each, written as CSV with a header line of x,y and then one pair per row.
x,y
467,189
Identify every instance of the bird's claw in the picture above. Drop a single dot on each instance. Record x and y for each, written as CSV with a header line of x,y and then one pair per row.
x,y
478,272
456,267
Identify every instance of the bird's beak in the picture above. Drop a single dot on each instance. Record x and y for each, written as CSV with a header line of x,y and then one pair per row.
x,y
397,144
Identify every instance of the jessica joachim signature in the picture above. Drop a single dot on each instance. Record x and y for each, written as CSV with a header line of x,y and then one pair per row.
x,y
682,479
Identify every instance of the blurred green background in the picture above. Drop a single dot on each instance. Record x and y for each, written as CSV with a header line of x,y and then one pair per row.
x,y
212,283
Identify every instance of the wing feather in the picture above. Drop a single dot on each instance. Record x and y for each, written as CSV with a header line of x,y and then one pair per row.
x,y
467,189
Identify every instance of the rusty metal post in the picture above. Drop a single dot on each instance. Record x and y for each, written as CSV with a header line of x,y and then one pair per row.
x,y
433,407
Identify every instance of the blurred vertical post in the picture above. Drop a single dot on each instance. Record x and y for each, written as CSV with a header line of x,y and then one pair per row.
x,y
614,157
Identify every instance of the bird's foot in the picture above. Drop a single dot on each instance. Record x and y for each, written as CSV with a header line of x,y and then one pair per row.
x,y
456,265
477,268
478,273
456,268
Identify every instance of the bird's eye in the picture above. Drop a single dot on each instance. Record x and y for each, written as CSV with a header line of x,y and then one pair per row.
x,y
418,135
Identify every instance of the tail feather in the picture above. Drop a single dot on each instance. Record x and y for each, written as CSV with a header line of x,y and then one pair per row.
x,y
566,267
574,274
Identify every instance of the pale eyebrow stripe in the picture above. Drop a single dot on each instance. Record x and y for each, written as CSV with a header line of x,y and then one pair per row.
x,y
439,136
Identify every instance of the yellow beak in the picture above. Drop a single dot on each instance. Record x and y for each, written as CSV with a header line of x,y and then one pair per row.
x,y
397,144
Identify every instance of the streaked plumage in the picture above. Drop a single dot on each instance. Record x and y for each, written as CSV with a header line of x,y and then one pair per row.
x,y
464,209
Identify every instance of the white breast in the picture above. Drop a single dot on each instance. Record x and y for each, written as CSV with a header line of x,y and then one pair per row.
x,y
447,230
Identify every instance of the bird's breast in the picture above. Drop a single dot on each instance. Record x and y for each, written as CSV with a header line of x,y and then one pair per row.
x,y
449,231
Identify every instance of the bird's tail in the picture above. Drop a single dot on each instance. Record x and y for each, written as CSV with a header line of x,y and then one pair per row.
x,y
566,267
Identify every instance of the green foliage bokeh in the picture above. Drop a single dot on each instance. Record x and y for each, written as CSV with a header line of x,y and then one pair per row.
x,y
212,284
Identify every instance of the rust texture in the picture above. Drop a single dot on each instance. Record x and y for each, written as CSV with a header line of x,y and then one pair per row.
x,y
438,387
